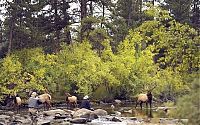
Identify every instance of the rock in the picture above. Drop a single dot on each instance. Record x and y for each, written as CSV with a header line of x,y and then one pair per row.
x,y
10,113
22,120
116,119
59,116
133,118
4,117
93,116
1,123
168,121
43,122
83,113
118,101
116,113
129,111
54,112
184,121
100,112
68,111
79,120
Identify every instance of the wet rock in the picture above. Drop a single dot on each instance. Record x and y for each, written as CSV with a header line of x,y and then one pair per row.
x,y
116,113
61,122
165,109
60,116
93,116
10,113
4,117
168,121
14,123
117,101
2,123
128,111
22,120
114,119
133,118
54,112
68,111
79,120
184,121
43,122
83,113
100,112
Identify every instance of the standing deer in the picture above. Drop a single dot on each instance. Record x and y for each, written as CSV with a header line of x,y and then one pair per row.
x,y
71,100
145,98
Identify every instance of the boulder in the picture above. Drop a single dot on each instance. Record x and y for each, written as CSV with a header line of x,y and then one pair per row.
x,y
100,112
54,112
79,120
82,113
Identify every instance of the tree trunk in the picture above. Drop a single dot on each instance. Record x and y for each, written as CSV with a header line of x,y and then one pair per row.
x,y
10,38
83,15
103,13
57,33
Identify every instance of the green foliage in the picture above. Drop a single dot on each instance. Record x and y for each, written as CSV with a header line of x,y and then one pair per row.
x,y
188,106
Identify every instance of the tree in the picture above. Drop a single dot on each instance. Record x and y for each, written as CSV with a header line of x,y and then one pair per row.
x,y
195,14
180,9
32,23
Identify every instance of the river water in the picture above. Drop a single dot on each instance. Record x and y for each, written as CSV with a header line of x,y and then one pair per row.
x,y
128,114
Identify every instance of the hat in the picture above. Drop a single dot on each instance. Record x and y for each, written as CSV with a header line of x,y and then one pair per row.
x,y
86,97
33,94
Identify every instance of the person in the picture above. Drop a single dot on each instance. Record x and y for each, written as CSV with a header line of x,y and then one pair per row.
x,y
86,103
33,104
9,100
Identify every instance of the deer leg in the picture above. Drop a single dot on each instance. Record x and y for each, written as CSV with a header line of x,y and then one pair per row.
x,y
44,104
150,104
147,105
76,105
136,104
141,105
49,105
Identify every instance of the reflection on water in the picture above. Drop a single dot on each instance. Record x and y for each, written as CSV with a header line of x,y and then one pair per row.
x,y
131,111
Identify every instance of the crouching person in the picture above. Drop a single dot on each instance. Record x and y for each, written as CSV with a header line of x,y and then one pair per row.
x,y
33,105
86,103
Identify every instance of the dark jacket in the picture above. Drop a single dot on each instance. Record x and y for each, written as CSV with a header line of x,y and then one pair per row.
x,y
85,104
33,102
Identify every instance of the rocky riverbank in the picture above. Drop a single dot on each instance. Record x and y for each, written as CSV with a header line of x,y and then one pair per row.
x,y
80,116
